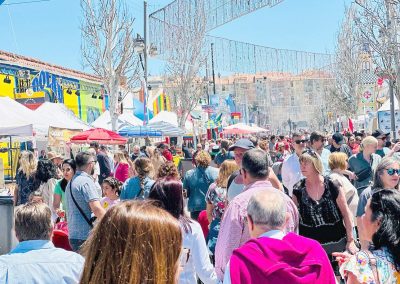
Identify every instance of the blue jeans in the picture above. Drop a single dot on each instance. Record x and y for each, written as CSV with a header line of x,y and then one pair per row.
x,y
213,234
76,244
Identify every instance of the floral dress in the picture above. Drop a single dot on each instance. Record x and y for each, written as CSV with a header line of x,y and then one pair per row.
x,y
25,187
359,265
217,197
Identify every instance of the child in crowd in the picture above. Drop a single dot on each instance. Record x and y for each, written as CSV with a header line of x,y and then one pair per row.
x,y
111,191
36,196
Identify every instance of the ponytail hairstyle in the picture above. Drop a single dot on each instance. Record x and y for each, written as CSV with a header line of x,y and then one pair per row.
x,y
114,184
144,168
224,146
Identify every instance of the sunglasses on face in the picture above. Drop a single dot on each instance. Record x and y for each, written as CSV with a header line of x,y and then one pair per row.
x,y
391,171
301,141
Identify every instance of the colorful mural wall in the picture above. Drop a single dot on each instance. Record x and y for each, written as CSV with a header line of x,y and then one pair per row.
x,y
32,88
161,103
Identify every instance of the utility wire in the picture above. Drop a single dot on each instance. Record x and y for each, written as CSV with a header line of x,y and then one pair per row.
x,y
25,2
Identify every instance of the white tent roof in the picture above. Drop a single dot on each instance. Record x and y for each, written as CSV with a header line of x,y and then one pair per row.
x,y
165,116
15,119
125,119
58,115
386,105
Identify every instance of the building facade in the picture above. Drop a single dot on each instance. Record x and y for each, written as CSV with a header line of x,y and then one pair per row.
x,y
32,82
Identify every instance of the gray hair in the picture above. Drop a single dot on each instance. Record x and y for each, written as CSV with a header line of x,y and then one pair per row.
x,y
33,222
383,164
268,207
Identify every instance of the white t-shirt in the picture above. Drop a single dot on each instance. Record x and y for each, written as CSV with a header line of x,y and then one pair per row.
x,y
195,258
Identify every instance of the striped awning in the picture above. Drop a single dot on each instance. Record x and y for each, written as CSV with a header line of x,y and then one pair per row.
x,y
167,129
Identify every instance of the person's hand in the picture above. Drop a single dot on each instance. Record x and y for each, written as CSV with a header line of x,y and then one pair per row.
x,y
351,247
352,175
341,257
60,213
396,147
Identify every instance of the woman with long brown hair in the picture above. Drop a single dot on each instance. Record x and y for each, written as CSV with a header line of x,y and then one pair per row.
x,y
195,259
216,200
139,187
135,242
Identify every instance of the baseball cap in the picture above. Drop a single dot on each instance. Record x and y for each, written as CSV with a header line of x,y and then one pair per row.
x,y
377,133
242,143
338,138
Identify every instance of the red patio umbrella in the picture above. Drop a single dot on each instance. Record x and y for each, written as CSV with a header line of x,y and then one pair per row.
x,y
100,135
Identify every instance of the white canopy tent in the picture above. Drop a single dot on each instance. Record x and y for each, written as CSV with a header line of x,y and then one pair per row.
x,y
125,119
165,116
58,115
167,123
13,120
386,105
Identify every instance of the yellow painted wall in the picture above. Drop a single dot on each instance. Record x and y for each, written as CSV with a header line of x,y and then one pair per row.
x,y
7,90
71,102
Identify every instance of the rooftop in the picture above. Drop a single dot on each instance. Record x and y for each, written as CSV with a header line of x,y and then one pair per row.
x,y
23,61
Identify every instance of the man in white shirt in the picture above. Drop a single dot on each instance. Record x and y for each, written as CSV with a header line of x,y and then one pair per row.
x,y
317,141
291,172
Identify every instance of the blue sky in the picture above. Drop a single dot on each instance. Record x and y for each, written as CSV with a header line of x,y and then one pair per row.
x,y
49,31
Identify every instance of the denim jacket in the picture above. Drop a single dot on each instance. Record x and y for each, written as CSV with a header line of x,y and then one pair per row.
x,y
196,182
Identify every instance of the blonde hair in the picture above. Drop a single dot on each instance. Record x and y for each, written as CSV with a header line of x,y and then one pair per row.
x,y
337,160
202,159
369,140
314,158
27,163
156,158
126,246
226,169
263,144
120,157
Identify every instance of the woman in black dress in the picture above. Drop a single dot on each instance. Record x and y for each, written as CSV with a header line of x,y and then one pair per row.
x,y
324,214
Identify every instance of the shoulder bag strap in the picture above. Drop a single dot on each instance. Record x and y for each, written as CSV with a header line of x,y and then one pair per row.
x,y
79,208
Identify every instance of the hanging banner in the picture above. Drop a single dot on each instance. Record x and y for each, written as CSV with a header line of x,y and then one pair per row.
x,y
59,136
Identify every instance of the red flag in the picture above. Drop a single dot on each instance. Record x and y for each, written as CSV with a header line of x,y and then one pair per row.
x,y
380,82
351,127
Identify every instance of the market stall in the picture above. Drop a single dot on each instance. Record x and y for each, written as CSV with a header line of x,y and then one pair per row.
x,y
100,135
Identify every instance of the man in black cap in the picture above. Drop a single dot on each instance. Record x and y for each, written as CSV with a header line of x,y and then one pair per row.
x,y
235,182
382,150
339,145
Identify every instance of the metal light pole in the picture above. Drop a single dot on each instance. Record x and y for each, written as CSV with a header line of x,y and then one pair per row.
x,y
146,92
392,23
212,67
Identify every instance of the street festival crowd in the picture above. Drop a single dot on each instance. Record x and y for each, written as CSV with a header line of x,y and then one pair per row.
x,y
309,208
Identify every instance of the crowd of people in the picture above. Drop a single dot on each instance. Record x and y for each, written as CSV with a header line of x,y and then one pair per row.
x,y
304,208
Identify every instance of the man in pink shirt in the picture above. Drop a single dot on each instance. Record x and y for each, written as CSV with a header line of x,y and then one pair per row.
x,y
273,256
234,230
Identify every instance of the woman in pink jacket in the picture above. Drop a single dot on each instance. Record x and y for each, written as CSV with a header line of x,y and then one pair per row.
x,y
121,168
